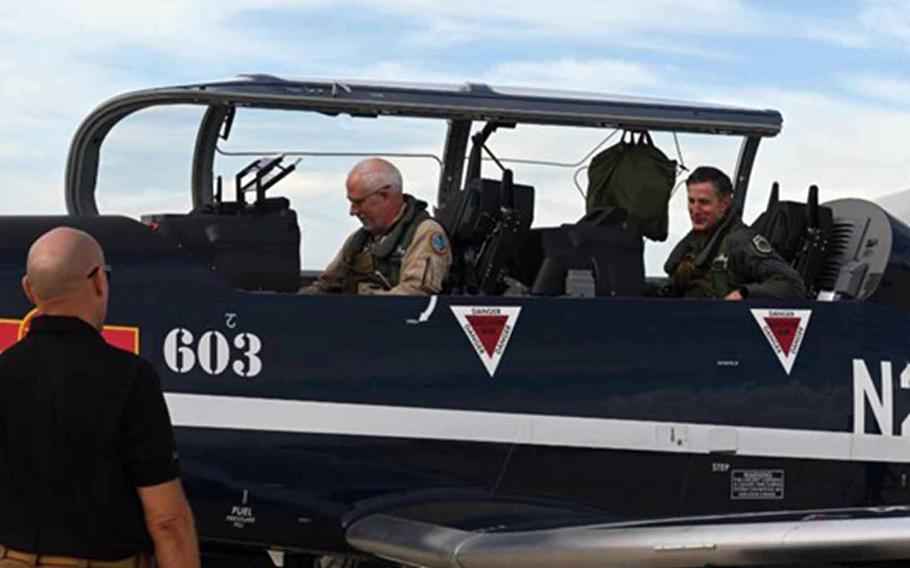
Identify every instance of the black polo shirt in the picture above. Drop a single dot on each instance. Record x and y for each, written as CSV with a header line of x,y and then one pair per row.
x,y
82,424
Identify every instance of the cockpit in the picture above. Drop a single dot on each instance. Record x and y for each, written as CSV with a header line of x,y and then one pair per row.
x,y
249,234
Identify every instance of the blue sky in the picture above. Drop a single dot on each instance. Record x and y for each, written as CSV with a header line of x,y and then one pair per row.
x,y
838,71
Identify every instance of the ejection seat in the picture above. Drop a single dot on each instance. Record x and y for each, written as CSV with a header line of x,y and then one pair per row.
x,y
600,247
487,223
799,232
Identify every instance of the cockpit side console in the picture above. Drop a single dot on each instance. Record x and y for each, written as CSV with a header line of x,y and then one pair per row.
x,y
253,246
259,251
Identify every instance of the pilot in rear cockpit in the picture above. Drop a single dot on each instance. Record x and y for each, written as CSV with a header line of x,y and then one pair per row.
x,y
400,249
721,257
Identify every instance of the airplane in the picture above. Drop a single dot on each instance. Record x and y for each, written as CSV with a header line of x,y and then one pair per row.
x,y
576,418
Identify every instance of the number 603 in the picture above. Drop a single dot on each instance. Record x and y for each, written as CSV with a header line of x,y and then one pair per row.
x,y
212,352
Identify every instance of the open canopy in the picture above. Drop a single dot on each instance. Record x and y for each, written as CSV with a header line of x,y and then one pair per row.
x,y
473,101
460,104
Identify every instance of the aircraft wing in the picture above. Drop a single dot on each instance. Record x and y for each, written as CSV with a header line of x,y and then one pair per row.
x,y
734,540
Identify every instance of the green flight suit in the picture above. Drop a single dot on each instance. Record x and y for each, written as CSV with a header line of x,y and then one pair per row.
x,y
732,257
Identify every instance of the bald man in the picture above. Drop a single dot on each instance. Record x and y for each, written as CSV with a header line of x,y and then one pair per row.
x,y
88,467
399,249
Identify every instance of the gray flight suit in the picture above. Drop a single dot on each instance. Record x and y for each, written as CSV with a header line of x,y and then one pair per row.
x,y
733,257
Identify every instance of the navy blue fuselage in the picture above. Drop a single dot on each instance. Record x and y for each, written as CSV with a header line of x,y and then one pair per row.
x,y
646,407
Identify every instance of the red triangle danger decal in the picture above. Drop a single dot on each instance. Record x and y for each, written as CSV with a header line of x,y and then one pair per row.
x,y
489,329
784,330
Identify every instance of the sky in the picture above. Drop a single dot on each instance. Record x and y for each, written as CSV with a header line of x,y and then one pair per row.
x,y
837,71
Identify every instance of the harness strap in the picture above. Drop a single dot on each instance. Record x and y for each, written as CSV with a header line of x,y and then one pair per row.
x,y
720,274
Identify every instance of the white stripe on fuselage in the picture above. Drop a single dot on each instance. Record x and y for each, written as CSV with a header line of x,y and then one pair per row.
x,y
275,415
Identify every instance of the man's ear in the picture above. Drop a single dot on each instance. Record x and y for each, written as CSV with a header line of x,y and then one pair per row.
x,y
97,284
27,288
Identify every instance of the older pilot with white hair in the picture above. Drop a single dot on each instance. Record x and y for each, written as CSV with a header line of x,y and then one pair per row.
x,y
399,250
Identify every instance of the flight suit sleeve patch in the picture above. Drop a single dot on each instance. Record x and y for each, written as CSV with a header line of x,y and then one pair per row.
x,y
439,243
761,244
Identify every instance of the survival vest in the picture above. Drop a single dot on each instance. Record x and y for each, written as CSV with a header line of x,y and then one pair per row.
x,y
378,259
703,272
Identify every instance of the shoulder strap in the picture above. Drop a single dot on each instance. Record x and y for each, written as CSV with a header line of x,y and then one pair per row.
x,y
414,212
677,254
720,273
394,261
720,234
355,245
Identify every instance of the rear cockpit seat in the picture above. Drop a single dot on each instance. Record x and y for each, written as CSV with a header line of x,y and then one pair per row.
x,y
598,254
801,233
487,230
494,247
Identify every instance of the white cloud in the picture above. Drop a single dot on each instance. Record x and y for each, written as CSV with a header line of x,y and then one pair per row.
x,y
847,148
188,29
602,75
897,204
886,21
583,20
889,89
33,194
836,34
876,24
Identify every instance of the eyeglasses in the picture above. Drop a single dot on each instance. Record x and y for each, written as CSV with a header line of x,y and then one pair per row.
x,y
105,267
359,201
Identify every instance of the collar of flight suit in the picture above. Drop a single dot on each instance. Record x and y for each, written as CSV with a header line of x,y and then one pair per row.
x,y
384,245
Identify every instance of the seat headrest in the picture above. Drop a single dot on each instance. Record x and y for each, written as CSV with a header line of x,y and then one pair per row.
x,y
469,215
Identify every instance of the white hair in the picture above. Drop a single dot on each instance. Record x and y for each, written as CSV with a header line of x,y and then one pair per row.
x,y
375,173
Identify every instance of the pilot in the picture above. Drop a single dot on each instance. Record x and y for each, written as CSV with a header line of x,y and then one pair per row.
x,y
721,257
400,249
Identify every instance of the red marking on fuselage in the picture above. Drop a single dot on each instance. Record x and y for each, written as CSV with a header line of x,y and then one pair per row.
x,y
784,330
9,333
488,330
126,338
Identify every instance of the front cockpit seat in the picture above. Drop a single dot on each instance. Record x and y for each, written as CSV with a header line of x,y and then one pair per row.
x,y
799,232
600,244
486,223
254,248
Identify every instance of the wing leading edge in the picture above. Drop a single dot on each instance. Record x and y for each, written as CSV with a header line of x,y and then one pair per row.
x,y
739,540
